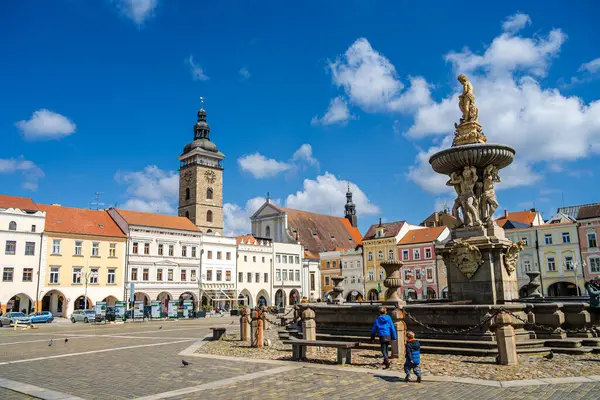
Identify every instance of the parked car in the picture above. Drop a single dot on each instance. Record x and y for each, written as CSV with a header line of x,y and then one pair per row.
x,y
41,316
11,317
83,316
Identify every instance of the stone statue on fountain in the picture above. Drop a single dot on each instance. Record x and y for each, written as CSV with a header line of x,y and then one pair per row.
x,y
465,183
468,131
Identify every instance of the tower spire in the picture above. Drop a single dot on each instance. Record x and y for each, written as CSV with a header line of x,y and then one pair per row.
x,y
350,208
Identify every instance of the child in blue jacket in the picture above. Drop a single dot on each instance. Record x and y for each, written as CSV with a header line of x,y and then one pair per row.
x,y
385,329
413,356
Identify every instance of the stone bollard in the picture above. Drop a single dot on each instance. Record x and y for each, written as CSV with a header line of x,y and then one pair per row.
x,y
266,325
505,337
245,324
256,330
398,345
309,329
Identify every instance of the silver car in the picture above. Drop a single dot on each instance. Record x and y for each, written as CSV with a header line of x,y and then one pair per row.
x,y
12,317
83,316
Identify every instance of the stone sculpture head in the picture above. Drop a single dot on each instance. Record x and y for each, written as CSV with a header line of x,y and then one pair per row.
x,y
462,78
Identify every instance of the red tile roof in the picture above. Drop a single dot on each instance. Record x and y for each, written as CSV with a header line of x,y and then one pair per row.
x,y
157,220
79,221
591,211
422,235
22,203
390,229
525,217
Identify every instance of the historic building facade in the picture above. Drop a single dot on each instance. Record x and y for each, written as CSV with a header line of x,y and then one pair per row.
x,y
201,180
21,235
254,270
330,265
287,285
588,218
353,273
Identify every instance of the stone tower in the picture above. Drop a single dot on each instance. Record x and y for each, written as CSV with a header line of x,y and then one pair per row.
x,y
350,209
201,180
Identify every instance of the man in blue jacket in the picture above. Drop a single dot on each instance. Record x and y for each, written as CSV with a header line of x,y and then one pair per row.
x,y
385,329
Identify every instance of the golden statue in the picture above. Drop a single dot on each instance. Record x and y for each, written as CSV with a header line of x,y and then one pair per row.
x,y
468,131
466,101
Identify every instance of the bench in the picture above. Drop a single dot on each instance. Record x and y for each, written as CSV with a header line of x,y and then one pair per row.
x,y
217,332
344,349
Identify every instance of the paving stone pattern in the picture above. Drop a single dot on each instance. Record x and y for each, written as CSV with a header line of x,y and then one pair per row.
x,y
6,394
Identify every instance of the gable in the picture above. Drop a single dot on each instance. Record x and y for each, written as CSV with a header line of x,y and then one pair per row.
x,y
266,210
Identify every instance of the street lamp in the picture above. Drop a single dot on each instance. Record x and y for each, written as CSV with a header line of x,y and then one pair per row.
x,y
574,265
424,278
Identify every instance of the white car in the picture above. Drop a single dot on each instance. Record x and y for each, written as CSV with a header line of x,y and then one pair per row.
x,y
83,316
11,317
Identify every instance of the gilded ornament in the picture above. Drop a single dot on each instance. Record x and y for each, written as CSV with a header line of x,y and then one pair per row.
x,y
512,256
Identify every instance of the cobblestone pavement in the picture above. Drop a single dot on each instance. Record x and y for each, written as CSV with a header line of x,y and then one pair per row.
x,y
142,360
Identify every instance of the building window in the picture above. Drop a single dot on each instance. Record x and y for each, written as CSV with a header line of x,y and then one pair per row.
x,y
592,242
566,237
266,276
228,276
54,275
183,275
12,226
428,253
380,255
209,275
219,275
551,264
390,254
112,250
524,239
381,276
263,260
268,232
548,238
209,216
77,275
96,249
404,255
78,248
27,274
429,274
29,248
219,255
94,276
32,228
187,193
569,263
209,194
595,264
11,248
134,274
345,264
416,254
285,259
407,275
209,254
284,275
161,249
135,248
194,251
328,264
183,251
228,256
418,274
370,256
253,258
170,275
527,265
187,214
249,277
159,273
297,273
278,275
147,248
257,277
171,250
312,281
240,277
245,258
110,279
371,276
7,274
326,281
334,264
193,275
278,258
55,246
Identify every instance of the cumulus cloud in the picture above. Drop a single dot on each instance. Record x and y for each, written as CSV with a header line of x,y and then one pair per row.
x,y
337,113
591,66
197,71
244,73
150,190
30,173
45,124
261,167
516,22
138,10
236,219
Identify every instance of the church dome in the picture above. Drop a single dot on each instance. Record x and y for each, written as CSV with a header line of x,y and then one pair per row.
x,y
201,143
201,135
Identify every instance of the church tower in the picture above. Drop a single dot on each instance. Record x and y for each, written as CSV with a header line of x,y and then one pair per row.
x,y
201,180
350,209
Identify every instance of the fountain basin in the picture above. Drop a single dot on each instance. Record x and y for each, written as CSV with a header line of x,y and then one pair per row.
x,y
479,155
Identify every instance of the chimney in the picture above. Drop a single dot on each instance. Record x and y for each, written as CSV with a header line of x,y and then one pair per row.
x,y
506,214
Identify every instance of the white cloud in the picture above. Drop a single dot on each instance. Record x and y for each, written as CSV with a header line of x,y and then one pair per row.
x,y
337,113
516,22
46,124
138,10
327,195
591,66
30,173
244,73
197,72
236,219
260,166
150,190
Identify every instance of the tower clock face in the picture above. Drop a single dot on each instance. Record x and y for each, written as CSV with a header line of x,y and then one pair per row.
x,y
210,176
187,177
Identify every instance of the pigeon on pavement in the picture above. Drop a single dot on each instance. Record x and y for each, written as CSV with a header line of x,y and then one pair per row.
x,y
185,363
66,340
549,356
51,342
160,327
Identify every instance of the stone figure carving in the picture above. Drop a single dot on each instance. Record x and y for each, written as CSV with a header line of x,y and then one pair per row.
x,y
465,184
455,181
489,203
466,257
512,256
466,101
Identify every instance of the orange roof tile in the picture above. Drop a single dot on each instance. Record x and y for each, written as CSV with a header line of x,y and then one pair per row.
x,y
157,220
354,232
80,221
247,239
525,217
422,235
22,203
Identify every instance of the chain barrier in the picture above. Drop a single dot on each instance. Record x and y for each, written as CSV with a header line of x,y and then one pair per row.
x,y
548,328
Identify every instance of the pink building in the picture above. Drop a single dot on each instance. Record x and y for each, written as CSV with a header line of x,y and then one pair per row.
x,y
588,218
423,272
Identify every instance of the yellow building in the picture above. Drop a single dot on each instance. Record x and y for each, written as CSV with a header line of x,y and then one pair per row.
x,y
330,265
84,258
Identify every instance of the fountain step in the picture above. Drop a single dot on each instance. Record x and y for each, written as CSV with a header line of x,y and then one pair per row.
x,y
575,350
591,342
563,343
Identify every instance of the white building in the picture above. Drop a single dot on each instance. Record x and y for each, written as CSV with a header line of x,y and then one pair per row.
x,y
311,278
287,267
21,234
353,273
218,278
254,271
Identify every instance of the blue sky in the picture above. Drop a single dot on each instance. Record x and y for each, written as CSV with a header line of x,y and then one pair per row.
x,y
302,98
